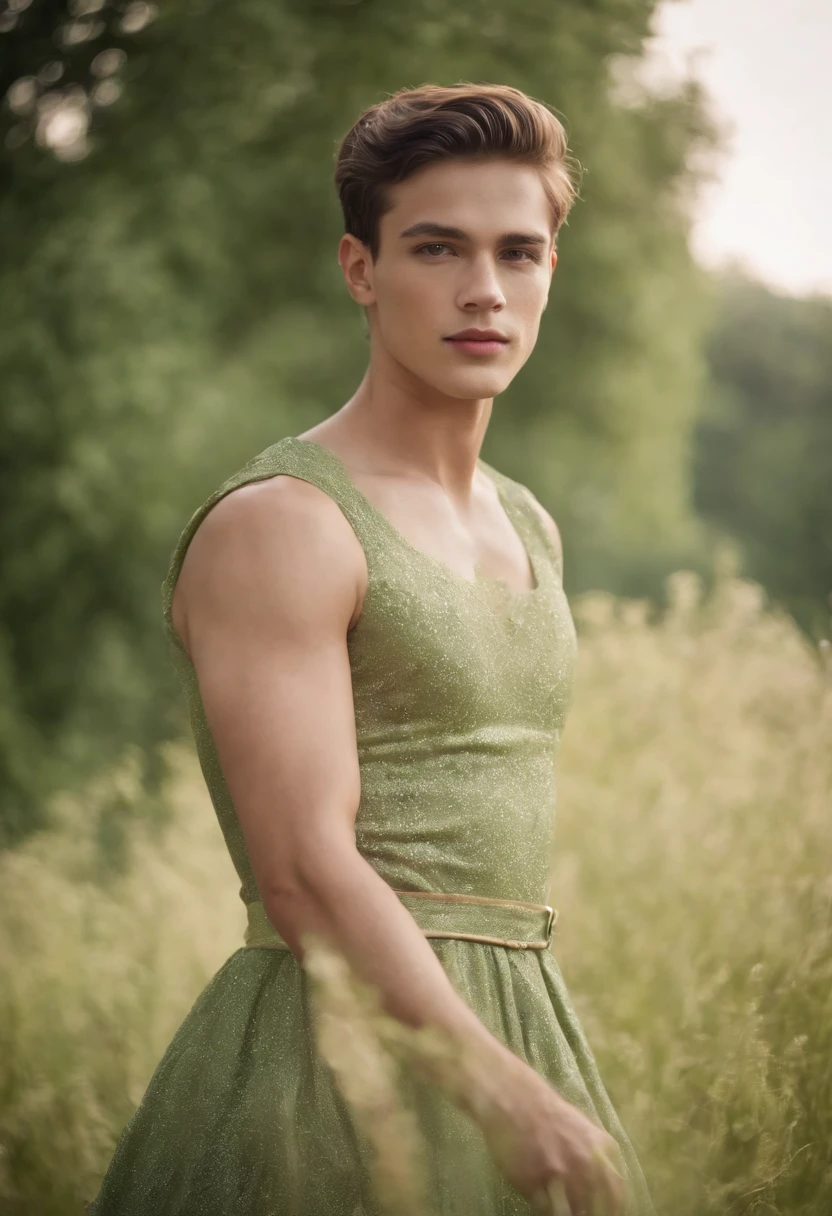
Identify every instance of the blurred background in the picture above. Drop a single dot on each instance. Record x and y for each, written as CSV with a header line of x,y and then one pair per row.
x,y
171,303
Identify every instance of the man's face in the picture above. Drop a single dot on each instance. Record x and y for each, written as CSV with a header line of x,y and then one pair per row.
x,y
465,245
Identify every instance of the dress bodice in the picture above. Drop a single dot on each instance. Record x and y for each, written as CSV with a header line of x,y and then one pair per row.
x,y
460,688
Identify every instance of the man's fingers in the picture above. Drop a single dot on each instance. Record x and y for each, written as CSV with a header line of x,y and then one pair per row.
x,y
559,1204
609,1185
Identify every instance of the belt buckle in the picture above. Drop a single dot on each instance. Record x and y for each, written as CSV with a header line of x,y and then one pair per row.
x,y
550,923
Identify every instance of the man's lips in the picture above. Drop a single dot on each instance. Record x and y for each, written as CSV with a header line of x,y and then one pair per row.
x,y
478,346
478,335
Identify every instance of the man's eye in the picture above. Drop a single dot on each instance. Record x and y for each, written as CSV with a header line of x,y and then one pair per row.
x,y
439,247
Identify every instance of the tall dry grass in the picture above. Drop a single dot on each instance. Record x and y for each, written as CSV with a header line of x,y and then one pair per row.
x,y
693,875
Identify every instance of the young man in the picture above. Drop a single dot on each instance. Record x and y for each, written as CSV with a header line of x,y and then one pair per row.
x,y
371,629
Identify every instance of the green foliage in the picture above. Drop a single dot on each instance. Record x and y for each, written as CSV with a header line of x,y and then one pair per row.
x,y
172,304
764,445
60,64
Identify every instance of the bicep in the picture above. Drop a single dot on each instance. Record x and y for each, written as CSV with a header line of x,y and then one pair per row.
x,y
271,591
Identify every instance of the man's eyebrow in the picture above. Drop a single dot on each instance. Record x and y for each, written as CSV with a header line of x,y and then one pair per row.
x,y
430,228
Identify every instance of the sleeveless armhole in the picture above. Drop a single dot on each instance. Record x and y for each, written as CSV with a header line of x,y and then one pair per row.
x,y
555,556
306,462
535,533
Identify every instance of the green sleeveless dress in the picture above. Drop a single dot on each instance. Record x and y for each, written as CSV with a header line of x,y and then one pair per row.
x,y
461,690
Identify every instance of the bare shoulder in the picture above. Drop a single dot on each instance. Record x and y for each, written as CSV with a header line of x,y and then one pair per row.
x,y
551,528
276,552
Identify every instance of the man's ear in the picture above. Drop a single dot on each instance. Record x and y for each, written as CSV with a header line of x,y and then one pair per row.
x,y
356,265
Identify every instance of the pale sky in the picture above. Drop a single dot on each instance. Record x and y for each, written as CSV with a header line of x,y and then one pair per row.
x,y
768,66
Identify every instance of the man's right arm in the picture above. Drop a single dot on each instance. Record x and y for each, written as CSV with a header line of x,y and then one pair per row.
x,y
270,583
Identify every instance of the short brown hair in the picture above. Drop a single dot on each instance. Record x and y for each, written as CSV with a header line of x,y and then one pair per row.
x,y
414,127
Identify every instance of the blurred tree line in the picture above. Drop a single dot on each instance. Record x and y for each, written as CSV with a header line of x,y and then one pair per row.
x,y
763,442
170,303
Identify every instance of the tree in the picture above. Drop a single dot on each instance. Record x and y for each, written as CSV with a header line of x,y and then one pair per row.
x,y
171,304
762,467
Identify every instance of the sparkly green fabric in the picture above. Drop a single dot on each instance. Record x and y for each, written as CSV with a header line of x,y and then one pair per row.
x,y
461,689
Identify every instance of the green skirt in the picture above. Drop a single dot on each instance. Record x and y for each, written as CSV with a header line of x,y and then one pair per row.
x,y
243,1117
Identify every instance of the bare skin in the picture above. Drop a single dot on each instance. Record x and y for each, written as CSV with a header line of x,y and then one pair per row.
x,y
275,578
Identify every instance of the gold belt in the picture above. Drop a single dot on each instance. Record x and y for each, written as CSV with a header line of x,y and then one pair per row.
x,y
472,918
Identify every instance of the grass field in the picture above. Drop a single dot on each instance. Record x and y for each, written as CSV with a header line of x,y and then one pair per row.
x,y
693,877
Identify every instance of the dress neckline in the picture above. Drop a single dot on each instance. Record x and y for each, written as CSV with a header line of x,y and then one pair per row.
x,y
481,580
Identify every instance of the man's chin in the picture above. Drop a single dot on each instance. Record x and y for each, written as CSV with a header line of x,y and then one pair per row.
x,y
474,384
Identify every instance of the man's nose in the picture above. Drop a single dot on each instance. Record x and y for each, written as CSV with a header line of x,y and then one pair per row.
x,y
482,285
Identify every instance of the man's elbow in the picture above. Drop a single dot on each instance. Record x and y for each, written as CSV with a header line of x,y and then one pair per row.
x,y
297,894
